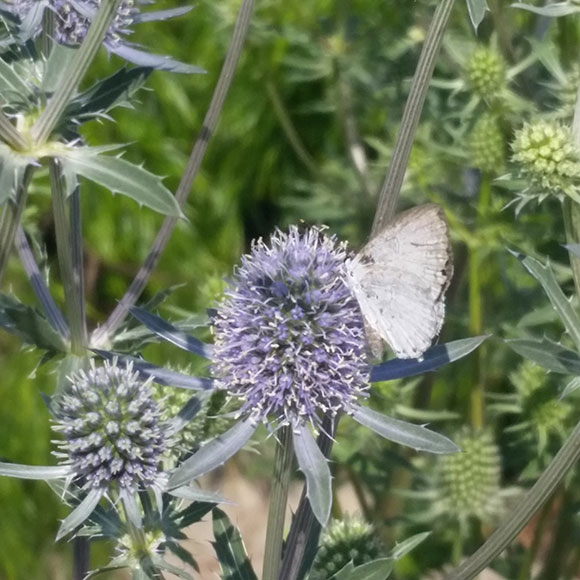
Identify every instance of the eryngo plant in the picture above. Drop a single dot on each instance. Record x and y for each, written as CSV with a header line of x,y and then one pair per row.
x,y
310,365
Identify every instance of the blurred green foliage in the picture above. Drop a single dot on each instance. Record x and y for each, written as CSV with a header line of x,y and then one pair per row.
x,y
306,134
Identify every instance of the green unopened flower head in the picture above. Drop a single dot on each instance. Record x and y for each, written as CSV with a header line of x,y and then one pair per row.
x,y
486,73
543,414
113,428
350,539
568,91
487,145
469,482
547,158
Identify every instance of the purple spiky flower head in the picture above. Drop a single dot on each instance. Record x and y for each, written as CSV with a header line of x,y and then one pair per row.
x,y
113,428
289,335
72,19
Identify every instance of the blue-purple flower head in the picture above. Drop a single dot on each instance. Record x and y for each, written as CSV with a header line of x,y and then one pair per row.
x,y
113,428
289,336
72,19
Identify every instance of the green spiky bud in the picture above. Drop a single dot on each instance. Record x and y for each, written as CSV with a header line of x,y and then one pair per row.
x,y
528,378
486,73
470,480
205,425
547,157
350,539
486,144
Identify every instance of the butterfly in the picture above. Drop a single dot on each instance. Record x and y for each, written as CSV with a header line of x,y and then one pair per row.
x,y
399,279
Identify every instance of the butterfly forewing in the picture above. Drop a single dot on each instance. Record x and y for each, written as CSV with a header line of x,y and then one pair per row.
x,y
399,279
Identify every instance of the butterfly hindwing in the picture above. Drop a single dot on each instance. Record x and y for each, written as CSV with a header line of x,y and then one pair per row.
x,y
399,279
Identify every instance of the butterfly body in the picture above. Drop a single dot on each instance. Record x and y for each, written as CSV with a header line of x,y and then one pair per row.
x,y
399,280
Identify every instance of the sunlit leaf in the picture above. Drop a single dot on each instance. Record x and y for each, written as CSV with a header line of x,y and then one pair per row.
x,y
375,570
120,176
81,513
404,433
314,466
477,10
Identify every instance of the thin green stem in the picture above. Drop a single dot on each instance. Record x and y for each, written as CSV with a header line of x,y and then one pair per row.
x,y
278,501
102,334
391,188
288,127
70,276
50,117
524,511
11,216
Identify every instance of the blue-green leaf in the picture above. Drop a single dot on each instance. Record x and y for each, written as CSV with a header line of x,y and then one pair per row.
x,y
404,433
375,570
80,514
120,176
12,166
544,275
477,10
551,10
314,466
171,333
213,454
194,493
230,550
547,354
29,325
432,359
404,547
43,472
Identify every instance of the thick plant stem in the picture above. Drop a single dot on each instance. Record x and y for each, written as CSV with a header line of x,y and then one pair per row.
x,y
391,188
278,501
11,216
524,511
70,276
476,311
102,334
305,529
81,558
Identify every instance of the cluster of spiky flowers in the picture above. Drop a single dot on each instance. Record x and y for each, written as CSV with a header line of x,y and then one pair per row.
x,y
548,159
73,19
112,427
348,540
487,144
289,335
469,482
486,73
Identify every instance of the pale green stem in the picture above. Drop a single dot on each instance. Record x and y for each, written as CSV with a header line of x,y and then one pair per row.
x,y
524,511
391,188
278,501
288,127
72,284
11,215
85,55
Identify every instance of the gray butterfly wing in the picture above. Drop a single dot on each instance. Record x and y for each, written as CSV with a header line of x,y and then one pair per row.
x,y
399,279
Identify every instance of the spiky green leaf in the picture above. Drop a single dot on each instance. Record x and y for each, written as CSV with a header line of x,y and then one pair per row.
x,y
404,433
120,176
230,550
477,10
544,275
375,570
547,354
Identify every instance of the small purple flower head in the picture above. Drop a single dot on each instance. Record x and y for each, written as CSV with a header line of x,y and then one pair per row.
x,y
113,428
289,335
